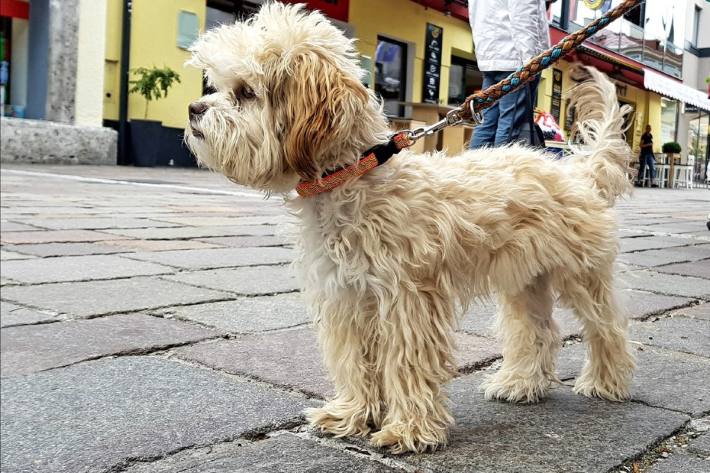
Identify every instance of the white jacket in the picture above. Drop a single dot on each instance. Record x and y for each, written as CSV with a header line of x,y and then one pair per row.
x,y
507,33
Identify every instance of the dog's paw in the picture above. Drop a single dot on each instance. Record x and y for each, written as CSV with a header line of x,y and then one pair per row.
x,y
510,387
610,389
336,419
400,438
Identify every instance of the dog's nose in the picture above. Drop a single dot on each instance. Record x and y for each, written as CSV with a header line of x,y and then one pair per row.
x,y
197,108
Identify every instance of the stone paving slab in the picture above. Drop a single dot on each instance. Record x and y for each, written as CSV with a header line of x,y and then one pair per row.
x,y
651,258
6,226
28,349
13,255
701,311
220,221
675,333
56,236
681,463
217,258
695,226
195,232
663,378
700,269
282,453
566,432
647,280
700,445
253,280
249,241
292,358
108,247
480,320
95,415
98,223
79,268
12,314
92,298
246,314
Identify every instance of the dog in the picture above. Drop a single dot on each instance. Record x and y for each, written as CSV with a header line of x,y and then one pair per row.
x,y
390,259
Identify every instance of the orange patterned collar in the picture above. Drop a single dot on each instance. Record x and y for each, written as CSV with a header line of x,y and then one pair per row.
x,y
375,156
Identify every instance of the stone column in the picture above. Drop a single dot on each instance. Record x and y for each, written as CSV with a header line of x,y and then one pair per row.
x,y
63,47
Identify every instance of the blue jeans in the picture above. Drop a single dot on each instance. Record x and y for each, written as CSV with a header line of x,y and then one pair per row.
x,y
508,120
647,159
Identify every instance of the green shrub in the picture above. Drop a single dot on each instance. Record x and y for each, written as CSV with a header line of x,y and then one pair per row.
x,y
153,83
671,147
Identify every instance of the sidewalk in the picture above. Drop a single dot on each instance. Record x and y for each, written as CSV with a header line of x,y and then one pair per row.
x,y
150,323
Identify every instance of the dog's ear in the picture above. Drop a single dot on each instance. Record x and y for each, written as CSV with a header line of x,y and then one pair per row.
x,y
320,104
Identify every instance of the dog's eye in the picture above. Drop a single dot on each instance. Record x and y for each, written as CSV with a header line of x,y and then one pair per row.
x,y
244,92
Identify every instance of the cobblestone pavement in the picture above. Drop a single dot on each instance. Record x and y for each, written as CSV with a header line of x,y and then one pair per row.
x,y
151,324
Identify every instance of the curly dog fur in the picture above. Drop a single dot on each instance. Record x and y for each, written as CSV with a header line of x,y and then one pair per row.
x,y
391,259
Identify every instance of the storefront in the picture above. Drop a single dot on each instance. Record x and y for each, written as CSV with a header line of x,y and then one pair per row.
x,y
14,44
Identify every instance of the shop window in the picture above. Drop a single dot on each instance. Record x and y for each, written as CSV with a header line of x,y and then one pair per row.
x,y
464,79
669,112
696,26
698,144
391,75
188,29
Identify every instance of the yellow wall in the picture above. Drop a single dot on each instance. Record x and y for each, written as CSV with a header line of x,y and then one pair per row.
x,y
90,63
404,20
153,43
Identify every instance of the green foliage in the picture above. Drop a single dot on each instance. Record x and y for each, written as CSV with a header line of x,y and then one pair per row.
x,y
153,83
671,147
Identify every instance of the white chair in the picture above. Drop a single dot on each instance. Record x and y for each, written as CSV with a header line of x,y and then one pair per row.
x,y
683,174
662,174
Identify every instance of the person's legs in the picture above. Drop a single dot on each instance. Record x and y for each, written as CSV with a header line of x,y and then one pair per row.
x,y
651,163
485,133
515,120
642,168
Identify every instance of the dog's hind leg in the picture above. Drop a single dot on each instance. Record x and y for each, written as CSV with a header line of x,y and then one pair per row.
x,y
531,342
346,338
415,358
609,366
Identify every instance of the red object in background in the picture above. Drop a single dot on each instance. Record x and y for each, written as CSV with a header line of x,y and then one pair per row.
x,y
15,9
336,9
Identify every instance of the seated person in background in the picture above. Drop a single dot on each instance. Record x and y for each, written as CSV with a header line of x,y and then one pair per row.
x,y
646,158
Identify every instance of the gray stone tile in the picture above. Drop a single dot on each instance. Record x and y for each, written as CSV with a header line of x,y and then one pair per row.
x,y
12,314
98,223
6,226
663,378
246,314
472,351
282,453
289,358
652,258
249,241
676,333
254,280
681,463
700,445
670,228
34,348
196,232
87,299
94,416
56,236
108,247
217,258
220,221
158,245
700,269
701,311
79,268
651,243
646,280
566,432
640,304
12,255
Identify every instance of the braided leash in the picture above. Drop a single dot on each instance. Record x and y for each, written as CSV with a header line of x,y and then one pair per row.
x,y
471,108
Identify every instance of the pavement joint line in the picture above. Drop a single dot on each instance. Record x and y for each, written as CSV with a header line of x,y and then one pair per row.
x,y
73,177
249,436
355,449
241,377
666,312
228,334
200,269
114,278
227,291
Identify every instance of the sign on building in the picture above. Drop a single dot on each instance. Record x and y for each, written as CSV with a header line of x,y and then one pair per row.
x,y
432,63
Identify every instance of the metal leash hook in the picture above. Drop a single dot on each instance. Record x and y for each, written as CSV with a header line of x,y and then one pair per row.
x,y
453,117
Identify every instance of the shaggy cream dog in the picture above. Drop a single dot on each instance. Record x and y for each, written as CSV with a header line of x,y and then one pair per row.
x,y
389,260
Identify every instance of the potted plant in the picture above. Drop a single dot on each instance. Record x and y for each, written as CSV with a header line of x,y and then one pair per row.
x,y
153,84
672,151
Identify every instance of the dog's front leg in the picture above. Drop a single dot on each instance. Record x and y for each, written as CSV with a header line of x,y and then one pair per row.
x,y
415,359
347,340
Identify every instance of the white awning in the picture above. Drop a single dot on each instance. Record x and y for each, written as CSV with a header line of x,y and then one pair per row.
x,y
675,90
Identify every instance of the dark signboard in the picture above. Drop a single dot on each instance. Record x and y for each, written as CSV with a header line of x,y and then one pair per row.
x,y
432,63
556,94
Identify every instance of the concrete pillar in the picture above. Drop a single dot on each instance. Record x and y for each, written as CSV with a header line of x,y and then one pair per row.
x,y
62,62
89,93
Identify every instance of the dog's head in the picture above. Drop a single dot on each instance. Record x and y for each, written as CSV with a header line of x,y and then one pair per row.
x,y
287,99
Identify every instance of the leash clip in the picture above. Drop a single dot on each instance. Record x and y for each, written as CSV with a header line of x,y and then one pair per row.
x,y
453,117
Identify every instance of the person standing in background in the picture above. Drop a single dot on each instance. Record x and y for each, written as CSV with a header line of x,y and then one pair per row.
x,y
507,34
646,158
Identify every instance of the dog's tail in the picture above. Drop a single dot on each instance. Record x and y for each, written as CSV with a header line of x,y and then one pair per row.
x,y
599,127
